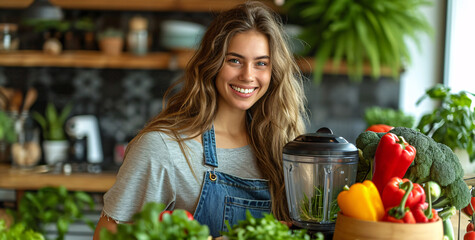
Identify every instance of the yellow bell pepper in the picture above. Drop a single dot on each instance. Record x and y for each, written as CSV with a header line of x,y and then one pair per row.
x,y
361,201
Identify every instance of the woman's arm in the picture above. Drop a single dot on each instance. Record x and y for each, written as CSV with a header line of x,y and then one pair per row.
x,y
104,222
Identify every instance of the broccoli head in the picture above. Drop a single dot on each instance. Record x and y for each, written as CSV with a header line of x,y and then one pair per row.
x,y
366,142
366,138
446,168
456,194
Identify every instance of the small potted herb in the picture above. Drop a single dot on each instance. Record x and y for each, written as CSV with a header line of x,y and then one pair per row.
x,y
55,144
111,41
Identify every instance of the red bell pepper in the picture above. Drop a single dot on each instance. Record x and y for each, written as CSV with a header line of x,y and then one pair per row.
x,y
392,159
393,193
424,212
379,128
401,213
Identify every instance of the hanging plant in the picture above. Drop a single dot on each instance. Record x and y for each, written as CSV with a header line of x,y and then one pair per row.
x,y
359,32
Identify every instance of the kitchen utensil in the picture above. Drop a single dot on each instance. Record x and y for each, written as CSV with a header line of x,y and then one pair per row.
x,y
30,98
16,101
26,150
5,96
316,168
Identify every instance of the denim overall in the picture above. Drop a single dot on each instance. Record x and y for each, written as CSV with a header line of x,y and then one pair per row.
x,y
225,197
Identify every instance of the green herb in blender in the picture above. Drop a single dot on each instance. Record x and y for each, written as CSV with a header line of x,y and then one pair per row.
x,y
266,228
312,209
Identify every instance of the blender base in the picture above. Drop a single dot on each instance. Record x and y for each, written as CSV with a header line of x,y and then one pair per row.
x,y
312,229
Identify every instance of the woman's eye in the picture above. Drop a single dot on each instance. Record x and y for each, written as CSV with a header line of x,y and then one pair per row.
x,y
261,64
234,60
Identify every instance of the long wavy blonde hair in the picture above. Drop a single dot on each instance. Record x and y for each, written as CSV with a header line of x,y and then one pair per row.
x,y
277,118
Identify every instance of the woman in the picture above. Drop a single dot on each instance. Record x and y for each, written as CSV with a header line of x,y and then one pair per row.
x,y
241,101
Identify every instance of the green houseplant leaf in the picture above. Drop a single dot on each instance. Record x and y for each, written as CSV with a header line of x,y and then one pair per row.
x,y
359,32
7,129
453,121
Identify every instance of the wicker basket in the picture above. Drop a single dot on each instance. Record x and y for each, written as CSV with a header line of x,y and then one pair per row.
x,y
347,228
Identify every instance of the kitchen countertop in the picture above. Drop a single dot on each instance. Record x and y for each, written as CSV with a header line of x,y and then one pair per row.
x,y
33,179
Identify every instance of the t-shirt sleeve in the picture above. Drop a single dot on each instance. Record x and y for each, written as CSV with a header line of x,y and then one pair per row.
x,y
146,175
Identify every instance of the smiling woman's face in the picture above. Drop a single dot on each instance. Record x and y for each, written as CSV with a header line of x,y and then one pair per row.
x,y
246,72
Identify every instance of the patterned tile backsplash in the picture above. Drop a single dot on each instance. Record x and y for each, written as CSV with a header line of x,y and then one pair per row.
x,y
125,99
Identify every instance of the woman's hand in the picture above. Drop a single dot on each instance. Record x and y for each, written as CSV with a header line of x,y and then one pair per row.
x,y
289,224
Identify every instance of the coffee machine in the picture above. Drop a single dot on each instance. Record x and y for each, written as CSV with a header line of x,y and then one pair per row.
x,y
86,128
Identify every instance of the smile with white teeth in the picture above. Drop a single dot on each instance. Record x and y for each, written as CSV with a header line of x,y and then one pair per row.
x,y
243,90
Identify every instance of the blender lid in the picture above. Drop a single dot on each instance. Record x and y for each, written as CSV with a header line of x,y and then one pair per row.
x,y
323,142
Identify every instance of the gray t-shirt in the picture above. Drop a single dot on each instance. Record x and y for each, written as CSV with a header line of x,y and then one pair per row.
x,y
156,170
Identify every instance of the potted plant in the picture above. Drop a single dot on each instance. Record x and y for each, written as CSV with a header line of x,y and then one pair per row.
x,y
359,32
7,135
452,122
53,205
55,144
111,41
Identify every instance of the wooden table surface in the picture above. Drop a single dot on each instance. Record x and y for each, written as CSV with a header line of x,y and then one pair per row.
x,y
20,180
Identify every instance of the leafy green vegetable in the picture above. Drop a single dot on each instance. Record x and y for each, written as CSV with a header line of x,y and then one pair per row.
x,y
53,205
312,209
146,225
18,231
266,228
388,116
453,122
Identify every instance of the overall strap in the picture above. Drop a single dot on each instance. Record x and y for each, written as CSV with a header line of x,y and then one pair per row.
x,y
209,148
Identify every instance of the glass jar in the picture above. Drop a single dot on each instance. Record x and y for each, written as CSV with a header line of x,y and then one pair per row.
x,y
138,37
9,40
26,150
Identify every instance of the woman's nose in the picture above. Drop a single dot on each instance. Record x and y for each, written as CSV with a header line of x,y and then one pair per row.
x,y
247,73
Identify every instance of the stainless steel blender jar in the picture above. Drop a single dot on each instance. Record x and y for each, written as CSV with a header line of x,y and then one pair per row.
x,y
316,168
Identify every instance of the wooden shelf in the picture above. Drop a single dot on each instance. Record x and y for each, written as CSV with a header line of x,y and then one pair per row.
x,y
152,5
307,64
16,179
94,59
15,3
154,60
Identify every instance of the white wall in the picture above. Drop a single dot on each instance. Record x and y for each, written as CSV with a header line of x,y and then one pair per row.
x,y
426,68
460,46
